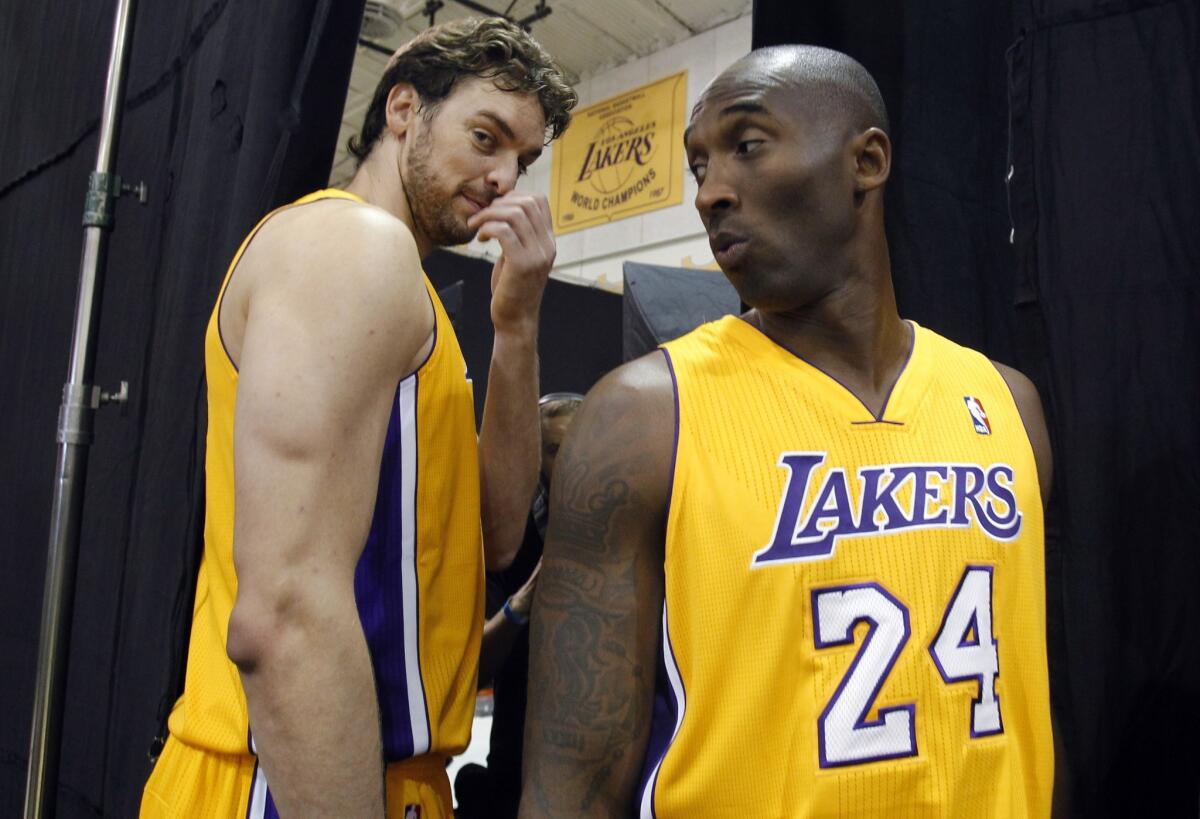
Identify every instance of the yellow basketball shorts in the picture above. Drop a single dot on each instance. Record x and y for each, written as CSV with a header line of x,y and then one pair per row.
x,y
191,783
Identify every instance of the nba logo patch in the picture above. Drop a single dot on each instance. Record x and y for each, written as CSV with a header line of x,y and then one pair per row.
x,y
978,415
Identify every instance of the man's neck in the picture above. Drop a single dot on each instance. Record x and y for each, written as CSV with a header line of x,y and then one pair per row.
x,y
854,334
377,182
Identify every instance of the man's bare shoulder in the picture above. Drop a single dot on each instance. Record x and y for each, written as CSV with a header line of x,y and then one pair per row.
x,y
644,379
1025,396
1022,388
626,427
332,267
640,392
363,244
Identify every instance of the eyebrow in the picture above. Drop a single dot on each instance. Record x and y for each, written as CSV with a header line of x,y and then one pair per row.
x,y
747,107
499,123
504,128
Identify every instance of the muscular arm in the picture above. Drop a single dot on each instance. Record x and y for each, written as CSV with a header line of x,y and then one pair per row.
x,y
598,607
1029,405
509,437
330,328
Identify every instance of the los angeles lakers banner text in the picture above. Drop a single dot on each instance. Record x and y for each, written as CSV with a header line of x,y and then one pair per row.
x,y
621,157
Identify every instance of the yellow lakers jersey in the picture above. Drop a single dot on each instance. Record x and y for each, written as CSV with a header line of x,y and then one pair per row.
x,y
854,622
418,584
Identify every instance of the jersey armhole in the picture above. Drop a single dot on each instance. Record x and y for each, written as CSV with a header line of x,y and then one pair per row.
x,y
674,444
1037,477
233,266
433,345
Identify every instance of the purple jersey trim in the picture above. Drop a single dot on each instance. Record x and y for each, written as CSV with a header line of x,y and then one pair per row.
x,y
260,804
675,446
887,399
665,718
429,295
380,595
670,705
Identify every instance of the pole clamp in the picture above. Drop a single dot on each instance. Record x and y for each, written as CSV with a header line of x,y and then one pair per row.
x,y
121,396
102,193
78,410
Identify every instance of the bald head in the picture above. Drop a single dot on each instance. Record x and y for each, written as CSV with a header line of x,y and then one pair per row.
x,y
830,83
790,153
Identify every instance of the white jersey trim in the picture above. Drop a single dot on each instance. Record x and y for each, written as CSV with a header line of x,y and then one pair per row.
x,y
257,807
418,716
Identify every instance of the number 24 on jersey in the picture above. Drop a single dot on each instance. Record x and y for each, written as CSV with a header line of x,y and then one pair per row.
x,y
964,651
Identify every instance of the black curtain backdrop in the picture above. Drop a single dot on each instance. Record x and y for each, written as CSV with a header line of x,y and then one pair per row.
x,y
1082,272
579,339
232,108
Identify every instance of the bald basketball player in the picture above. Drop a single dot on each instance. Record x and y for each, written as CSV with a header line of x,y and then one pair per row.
x,y
332,664
795,558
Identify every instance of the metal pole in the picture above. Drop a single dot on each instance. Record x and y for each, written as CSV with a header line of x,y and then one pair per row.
x,y
75,418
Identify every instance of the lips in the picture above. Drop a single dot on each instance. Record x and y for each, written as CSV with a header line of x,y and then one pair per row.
x,y
475,204
728,248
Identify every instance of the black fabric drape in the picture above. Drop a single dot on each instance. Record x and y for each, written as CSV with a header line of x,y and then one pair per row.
x,y
1107,97
579,336
1082,272
232,108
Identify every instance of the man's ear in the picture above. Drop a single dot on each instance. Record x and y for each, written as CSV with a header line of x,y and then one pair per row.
x,y
873,160
402,106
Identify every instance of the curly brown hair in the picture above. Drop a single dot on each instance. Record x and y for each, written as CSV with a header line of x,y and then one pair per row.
x,y
490,48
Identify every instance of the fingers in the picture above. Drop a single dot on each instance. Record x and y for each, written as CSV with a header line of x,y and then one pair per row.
x,y
528,217
504,233
534,206
520,222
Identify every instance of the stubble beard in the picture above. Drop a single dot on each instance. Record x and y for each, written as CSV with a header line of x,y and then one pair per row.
x,y
430,204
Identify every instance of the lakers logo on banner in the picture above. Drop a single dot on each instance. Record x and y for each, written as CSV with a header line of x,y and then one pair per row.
x,y
621,157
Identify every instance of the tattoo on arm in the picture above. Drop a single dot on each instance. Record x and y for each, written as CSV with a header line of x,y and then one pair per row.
x,y
590,682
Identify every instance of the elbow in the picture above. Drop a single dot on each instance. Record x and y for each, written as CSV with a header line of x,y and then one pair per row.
x,y
497,563
266,625
249,636
277,621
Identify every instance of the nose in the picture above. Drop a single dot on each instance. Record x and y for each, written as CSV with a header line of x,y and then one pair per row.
x,y
715,193
502,177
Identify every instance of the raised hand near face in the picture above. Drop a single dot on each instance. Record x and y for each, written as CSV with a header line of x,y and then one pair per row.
x,y
520,222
